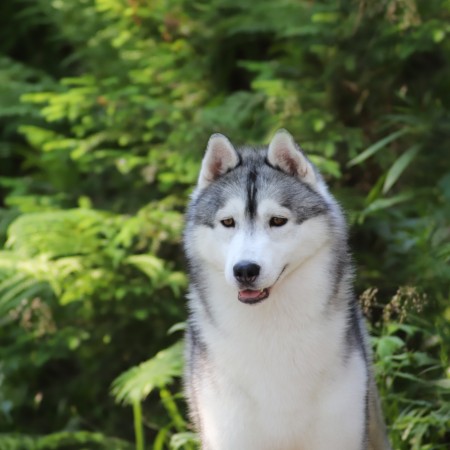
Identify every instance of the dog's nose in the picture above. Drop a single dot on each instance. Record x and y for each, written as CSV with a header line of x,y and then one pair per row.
x,y
246,271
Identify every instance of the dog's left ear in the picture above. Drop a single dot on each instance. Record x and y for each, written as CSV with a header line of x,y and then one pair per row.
x,y
285,154
220,157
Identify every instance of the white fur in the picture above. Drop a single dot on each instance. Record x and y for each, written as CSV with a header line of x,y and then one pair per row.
x,y
278,379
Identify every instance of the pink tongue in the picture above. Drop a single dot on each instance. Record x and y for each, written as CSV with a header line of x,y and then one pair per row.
x,y
249,294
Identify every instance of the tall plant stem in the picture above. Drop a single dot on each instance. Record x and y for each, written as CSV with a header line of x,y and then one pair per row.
x,y
138,427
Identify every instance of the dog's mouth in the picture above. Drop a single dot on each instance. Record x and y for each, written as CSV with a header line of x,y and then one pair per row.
x,y
251,296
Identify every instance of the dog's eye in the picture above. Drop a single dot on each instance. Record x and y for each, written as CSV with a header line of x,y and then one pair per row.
x,y
228,223
277,221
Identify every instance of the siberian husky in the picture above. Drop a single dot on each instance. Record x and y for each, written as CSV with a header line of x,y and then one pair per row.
x,y
276,355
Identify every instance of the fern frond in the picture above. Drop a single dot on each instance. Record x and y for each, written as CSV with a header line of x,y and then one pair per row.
x,y
58,233
136,383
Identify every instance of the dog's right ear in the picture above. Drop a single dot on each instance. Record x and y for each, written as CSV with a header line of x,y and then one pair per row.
x,y
220,157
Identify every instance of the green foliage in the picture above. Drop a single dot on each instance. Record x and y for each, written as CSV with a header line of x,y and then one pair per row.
x,y
137,383
406,364
105,109
80,440
412,370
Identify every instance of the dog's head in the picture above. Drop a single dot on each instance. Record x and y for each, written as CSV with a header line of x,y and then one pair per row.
x,y
257,214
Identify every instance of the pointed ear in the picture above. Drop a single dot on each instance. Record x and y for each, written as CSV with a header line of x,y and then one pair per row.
x,y
285,154
220,157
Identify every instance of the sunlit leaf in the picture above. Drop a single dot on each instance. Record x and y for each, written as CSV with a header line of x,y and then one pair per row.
x,y
384,203
399,167
136,383
387,345
370,151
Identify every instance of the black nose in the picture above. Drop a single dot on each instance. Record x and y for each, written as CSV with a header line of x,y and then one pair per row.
x,y
246,271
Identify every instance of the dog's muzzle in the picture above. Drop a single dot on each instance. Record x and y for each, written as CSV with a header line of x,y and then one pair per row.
x,y
246,273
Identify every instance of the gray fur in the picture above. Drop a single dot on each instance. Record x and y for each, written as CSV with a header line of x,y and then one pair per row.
x,y
255,177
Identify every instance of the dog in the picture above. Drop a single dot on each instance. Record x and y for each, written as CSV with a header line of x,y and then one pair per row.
x,y
276,352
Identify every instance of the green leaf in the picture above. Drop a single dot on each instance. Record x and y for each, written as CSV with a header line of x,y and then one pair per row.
x,y
388,345
443,383
58,233
180,326
180,440
152,266
136,383
399,167
17,288
376,147
384,203
62,440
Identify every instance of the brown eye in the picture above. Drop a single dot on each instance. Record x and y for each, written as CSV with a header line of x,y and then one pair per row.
x,y
277,221
228,223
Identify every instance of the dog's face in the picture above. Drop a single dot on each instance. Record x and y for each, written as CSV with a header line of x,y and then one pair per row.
x,y
258,214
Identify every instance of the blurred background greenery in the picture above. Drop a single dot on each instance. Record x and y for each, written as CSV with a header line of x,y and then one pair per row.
x,y
105,109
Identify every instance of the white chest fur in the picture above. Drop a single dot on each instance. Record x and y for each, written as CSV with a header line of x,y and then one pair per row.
x,y
276,376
